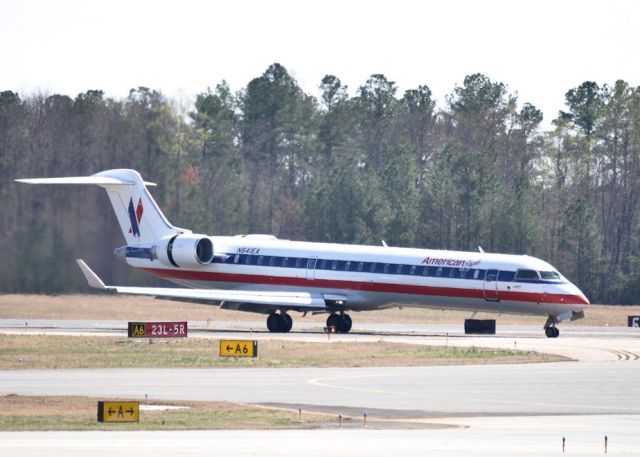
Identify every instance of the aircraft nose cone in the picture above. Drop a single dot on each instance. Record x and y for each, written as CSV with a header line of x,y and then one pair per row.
x,y
581,299
586,300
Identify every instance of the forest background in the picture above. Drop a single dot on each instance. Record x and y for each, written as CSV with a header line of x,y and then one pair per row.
x,y
478,171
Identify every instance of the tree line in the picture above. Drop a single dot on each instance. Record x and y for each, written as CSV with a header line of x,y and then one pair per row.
x,y
378,165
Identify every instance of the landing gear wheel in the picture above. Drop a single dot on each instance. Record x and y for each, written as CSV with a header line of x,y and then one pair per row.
x,y
273,322
333,321
279,323
286,323
344,324
551,332
341,322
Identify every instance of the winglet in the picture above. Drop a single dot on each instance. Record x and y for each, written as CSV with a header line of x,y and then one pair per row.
x,y
92,278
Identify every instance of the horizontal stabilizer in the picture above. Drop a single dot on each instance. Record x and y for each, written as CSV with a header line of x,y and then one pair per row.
x,y
140,218
98,180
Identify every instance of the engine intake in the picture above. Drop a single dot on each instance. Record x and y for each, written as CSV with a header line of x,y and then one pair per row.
x,y
184,251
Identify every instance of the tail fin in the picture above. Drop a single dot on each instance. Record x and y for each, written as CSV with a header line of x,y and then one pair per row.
x,y
140,218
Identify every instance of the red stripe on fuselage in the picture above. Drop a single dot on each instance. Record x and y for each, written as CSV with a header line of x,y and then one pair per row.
x,y
336,285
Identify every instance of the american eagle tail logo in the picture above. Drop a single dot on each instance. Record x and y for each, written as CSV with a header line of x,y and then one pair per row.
x,y
135,216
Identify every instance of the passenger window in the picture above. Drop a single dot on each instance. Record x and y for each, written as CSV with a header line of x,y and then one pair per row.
x,y
360,266
386,268
425,271
323,264
334,264
452,272
260,259
399,269
527,275
373,267
298,262
236,258
311,264
285,261
476,273
347,266
413,270
439,272
272,261
506,276
463,273
247,259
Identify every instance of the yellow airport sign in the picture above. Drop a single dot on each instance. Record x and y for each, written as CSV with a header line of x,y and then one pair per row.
x,y
118,411
238,348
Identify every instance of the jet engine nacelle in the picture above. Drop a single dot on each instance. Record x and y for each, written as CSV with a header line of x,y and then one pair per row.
x,y
186,250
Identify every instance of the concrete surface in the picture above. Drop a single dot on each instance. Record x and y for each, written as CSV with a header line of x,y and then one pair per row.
x,y
487,410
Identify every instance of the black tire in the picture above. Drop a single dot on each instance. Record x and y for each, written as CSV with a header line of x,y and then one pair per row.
x,y
344,323
285,323
274,323
333,321
552,332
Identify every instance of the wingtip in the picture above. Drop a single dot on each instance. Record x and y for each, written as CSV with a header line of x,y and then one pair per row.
x,y
92,278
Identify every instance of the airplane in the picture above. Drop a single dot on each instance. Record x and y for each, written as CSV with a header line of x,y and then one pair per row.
x,y
263,274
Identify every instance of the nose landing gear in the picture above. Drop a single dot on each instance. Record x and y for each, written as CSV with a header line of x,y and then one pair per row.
x,y
552,332
550,329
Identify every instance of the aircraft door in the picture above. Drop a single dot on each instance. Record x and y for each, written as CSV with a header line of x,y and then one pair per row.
x,y
311,268
491,285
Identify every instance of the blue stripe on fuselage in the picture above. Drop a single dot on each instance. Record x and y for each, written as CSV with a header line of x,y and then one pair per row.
x,y
354,266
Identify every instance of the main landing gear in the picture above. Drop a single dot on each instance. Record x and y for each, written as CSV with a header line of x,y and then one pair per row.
x,y
550,328
279,322
342,322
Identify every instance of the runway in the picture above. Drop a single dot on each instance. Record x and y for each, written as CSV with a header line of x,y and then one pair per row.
x,y
487,409
553,388
525,437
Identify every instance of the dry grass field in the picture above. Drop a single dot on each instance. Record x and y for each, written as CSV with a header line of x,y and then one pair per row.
x,y
110,307
56,351
24,413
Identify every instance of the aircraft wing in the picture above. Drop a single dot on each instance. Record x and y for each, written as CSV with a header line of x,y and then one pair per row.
x,y
261,301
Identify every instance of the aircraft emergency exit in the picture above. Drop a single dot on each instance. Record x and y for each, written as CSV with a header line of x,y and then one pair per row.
x,y
260,273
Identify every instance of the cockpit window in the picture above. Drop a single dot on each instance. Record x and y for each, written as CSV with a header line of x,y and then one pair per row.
x,y
550,275
527,275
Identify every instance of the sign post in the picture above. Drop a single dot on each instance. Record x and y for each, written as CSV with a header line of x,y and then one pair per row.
x,y
238,348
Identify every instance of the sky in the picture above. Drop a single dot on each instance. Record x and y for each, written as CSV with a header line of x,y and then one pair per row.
x,y
538,48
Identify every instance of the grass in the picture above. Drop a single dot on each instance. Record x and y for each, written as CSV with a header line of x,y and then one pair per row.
x,y
55,351
22,413
108,307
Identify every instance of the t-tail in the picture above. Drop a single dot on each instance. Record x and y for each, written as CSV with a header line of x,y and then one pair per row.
x,y
140,218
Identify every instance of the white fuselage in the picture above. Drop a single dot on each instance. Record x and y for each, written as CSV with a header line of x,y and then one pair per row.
x,y
373,277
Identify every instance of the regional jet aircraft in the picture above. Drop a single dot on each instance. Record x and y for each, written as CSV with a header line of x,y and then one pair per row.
x,y
263,274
